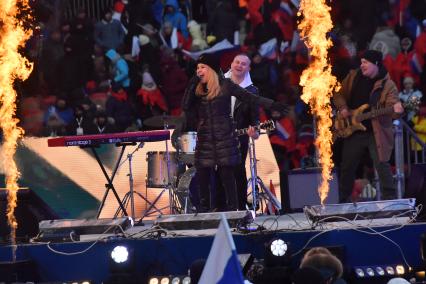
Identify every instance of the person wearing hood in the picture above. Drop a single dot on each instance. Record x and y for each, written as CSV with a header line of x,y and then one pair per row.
x,y
120,69
109,33
207,100
370,84
175,17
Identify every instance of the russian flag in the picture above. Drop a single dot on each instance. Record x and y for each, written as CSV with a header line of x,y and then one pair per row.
x,y
222,266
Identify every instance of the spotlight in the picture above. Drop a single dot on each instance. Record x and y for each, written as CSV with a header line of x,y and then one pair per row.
x,y
380,271
278,247
390,270
120,254
277,253
171,279
370,271
400,269
359,273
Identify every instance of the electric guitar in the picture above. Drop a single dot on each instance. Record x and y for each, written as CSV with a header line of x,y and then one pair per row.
x,y
268,125
345,127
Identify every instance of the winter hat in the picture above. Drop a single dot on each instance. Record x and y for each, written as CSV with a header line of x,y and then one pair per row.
x,y
148,82
374,57
143,40
119,7
210,60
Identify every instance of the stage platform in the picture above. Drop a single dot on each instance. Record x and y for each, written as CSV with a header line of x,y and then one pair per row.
x,y
158,251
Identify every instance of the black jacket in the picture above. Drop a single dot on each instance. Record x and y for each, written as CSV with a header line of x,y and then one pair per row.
x,y
217,143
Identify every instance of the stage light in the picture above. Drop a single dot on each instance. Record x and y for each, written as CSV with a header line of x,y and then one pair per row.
x,y
120,254
171,279
380,271
277,253
359,273
370,271
278,247
390,270
400,269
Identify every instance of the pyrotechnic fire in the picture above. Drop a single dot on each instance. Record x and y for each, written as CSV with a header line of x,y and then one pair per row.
x,y
12,66
317,81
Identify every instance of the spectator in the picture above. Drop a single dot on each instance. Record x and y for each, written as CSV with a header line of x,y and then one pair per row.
x,y
119,108
409,95
108,32
198,42
119,69
57,117
51,55
171,37
174,81
325,262
80,124
419,126
175,17
150,96
101,124
223,22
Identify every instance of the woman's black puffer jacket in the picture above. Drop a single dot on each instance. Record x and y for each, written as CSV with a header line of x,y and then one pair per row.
x,y
217,143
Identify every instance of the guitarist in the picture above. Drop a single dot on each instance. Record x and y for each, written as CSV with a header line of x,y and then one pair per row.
x,y
244,115
370,84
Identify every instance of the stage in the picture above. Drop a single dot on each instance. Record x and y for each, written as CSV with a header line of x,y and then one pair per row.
x,y
157,251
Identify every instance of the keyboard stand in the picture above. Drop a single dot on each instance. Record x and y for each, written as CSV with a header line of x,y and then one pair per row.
x,y
110,186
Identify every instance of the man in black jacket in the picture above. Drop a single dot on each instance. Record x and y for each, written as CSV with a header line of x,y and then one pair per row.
x,y
244,115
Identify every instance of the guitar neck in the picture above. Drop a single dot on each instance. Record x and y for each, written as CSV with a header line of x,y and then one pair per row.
x,y
374,113
244,130
256,127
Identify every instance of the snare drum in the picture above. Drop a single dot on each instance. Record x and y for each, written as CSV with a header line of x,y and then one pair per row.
x,y
157,169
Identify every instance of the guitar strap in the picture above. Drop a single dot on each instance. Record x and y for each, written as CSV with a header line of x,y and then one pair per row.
x,y
375,96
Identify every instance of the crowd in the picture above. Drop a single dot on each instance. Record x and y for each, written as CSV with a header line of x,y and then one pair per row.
x,y
134,62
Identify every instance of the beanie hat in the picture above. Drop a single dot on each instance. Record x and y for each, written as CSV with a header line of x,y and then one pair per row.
x,y
373,56
148,82
210,60
119,7
143,40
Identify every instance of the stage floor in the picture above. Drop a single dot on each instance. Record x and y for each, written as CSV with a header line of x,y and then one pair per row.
x,y
158,251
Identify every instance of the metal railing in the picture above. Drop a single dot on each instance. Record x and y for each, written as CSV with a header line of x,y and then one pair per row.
x,y
94,8
409,149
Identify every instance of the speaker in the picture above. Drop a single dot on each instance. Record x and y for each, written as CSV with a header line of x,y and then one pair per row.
x,y
415,186
30,210
301,189
200,221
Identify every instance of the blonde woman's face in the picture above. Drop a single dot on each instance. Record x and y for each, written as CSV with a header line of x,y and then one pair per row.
x,y
202,72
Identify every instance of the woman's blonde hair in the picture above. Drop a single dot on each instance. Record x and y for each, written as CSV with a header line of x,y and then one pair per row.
x,y
213,87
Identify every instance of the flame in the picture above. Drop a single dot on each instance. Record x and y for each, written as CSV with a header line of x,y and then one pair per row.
x,y
317,81
13,66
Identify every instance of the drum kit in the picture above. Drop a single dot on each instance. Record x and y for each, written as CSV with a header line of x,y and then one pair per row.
x,y
173,171
166,170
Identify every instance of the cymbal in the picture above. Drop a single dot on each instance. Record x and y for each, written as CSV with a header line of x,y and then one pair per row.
x,y
162,120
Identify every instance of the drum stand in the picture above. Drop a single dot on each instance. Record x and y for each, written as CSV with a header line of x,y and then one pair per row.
x,y
129,196
254,182
169,187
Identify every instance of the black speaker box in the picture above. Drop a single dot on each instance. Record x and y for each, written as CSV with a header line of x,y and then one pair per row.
x,y
299,188
30,210
415,186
